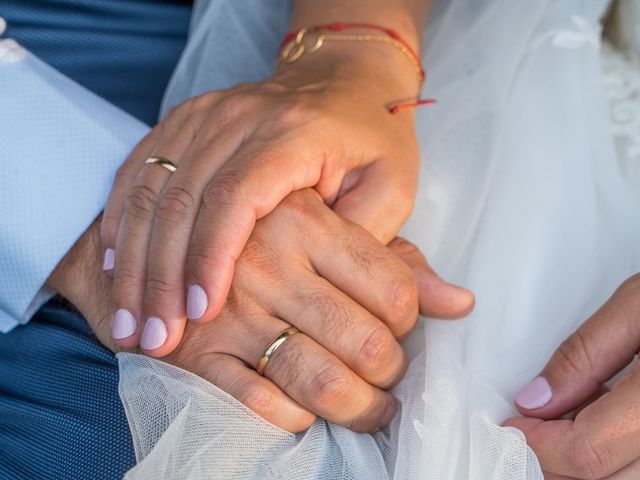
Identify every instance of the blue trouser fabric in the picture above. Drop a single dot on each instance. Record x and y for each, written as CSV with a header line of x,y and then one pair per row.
x,y
60,414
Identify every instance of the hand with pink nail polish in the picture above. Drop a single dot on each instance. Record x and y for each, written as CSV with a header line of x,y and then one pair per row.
x,y
304,266
171,240
601,439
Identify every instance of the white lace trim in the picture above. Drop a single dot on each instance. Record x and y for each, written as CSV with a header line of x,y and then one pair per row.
x,y
622,84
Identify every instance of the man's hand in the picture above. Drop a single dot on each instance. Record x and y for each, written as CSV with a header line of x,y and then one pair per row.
x,y
349,295
80,280
602,440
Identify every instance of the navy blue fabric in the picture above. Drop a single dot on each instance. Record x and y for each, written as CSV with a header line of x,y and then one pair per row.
x,y
60,414
123,50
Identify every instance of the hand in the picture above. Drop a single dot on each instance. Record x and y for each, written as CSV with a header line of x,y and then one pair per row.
x,y
347,293
346,356
602,440
320,123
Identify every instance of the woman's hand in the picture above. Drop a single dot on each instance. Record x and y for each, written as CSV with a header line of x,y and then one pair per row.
x,y
320,122
601,440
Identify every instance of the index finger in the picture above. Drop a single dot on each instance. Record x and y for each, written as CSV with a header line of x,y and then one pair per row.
x,y
603,438
247,188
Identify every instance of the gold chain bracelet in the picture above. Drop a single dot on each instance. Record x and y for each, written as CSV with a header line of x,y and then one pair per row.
x,y
300,45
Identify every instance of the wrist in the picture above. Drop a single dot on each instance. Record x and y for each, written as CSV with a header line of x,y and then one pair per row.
x,y
377,71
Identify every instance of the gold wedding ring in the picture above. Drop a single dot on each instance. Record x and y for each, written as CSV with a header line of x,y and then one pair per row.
x,y
262,364
163,162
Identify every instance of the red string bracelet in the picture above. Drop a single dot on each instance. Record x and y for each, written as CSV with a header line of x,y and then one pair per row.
x,y
292,48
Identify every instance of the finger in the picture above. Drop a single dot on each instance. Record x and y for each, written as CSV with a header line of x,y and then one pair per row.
x,y
166,297
378,198
438,299
323,384
114,208
308,373
341,326
604,437
357,264
352,260
599,349
255,392
130,274
248,187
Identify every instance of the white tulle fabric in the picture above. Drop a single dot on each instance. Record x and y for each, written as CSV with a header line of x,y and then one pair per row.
x,y
522,198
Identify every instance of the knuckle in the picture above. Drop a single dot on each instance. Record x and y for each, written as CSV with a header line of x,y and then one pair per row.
x,y
590,461
257,397
127,274
377,350
177,202
574,355
292,113
196,104
158,286
223,190
141,201
330,388
335,314
233,105
403,302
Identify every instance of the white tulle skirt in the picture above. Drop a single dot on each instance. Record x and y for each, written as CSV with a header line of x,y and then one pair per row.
x,y
523,199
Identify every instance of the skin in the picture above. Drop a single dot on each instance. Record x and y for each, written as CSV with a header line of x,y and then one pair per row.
x,y
306,266
320,122
601,438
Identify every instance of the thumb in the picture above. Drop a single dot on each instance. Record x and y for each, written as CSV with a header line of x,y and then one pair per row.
x,y
599,349
375,200
438,299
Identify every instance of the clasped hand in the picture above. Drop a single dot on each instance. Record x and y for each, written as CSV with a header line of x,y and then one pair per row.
x,y
304,266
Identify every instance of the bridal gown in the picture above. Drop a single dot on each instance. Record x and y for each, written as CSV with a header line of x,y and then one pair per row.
x,y
528,196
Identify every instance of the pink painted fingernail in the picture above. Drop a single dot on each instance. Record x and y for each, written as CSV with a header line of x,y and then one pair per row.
x,y
197,302
154,334
109,259
123,324
535,395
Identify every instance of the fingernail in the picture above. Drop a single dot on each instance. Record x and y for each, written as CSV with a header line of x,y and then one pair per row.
x,y
535,395
389,414
123,324
197,302
154,334
109,259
